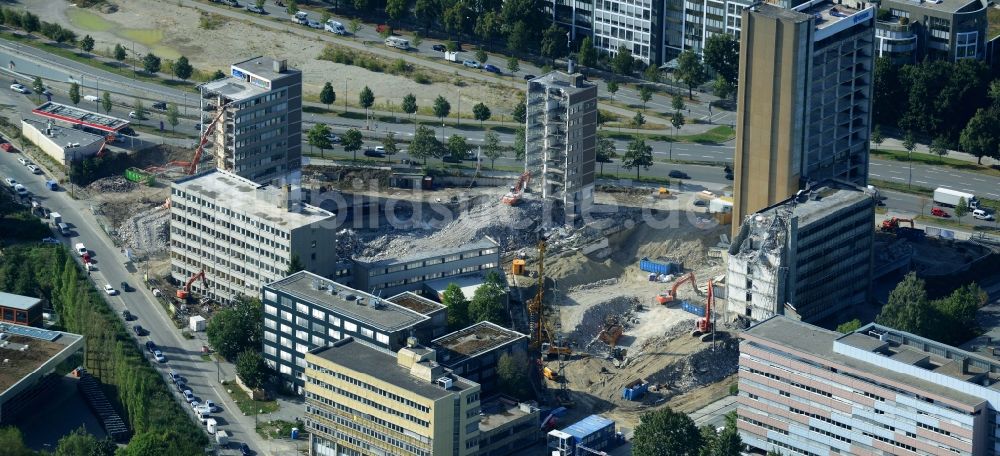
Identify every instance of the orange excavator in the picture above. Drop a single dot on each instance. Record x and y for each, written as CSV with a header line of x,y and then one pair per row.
x,y
191,167
514,195
669,297
892,224
186,291
704,324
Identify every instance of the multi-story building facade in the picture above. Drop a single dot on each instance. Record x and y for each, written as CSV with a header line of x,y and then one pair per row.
x,y
703,18
908,31
474,352
635,25
361,400
304,311
876,391
573,15
391,276
561,140
259,134
808,257
804,100
243,234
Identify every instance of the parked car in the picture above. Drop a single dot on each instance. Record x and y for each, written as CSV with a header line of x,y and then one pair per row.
x,y
135,115
181,386
333,138
10,181
151,346
678,174
492,68
174,377
127,131
233,3
439,47
529,77
50,240
245,450
729,176
125,286
19,88
210,406
20,190
700,203
158,356
189,396
938,212
34,169
138,330
110,290
128,317
255,9
374,153
314,24
981,214
451,159
23,161
470,63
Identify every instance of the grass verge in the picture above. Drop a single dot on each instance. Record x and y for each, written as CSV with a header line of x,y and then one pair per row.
x,y
716,135
934,160
953,223
246,405
281,429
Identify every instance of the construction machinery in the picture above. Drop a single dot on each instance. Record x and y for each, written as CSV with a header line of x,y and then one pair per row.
x,y
514,195
892,224
550,374
672,295
611,332
704,326
185,292
191,167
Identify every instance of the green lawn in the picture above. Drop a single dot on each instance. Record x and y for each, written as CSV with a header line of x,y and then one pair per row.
x,y
716,135
246,405
928,159
954,223
280,429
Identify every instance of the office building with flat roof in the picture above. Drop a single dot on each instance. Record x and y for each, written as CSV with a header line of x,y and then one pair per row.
x,y
633,25
304,311
259,132
561,141
362,400
243,234
507,427
804,100
20,310
390,276
474,352
807,390
909,31
808,257
31,358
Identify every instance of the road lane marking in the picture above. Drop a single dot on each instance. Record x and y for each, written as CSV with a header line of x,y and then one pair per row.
x,y
707,156
876,175
684,155
897,178
920,182
978,179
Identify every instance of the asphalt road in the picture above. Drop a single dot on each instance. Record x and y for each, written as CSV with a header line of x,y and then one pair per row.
x,y
111,269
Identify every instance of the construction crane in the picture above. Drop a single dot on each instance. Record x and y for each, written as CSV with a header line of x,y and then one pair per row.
x,y
191,167
891,225
704,324
186,291
514,195
672,295
535,304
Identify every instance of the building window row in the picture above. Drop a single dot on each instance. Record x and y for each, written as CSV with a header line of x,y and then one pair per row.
x,y
890,441
791,448
830,434
820,417
376,405
381,392
372,433
763,425
431,262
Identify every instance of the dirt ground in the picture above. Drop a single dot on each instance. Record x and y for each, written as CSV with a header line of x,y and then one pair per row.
x,y
174,31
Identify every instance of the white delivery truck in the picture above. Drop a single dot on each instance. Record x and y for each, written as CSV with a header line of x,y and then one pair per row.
x,y
56,217
948,197
211,425
222,438
452,56
397,42
80,249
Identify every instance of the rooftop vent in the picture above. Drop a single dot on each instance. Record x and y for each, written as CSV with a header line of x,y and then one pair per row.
x,y
412,342
315,284
445,382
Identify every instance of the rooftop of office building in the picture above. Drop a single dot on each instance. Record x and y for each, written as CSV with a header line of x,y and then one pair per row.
x,y
367,360
569,83
500,412
946,6
249,78
380,314
473,341
826,12
416,303
443,251
15,301
229,191
25,349
820,200
64,136
80,116
799,337
267,67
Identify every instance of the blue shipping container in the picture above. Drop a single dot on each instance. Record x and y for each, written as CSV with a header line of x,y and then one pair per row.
x,y
594,432
693,308
635,393
661,266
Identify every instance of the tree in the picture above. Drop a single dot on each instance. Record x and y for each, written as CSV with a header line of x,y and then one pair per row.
x,y
877,137
154,443
12,442
512,374
74,93
458,306
182,68
722,88
517,39
218,74
605,151
259,3
519,144
553,43
395,9
637,155
638,120
939,146
455,18
38,85
120,53
441,108
327,96
139,109
961,209
652,73
173,115
981,137
291,7
106,102
417,39
389,144
665,432
319,136
425,145
409,104
520,111
907,308
708,437
352,141
612,88
458,147
481,112
481,55
849,326
728,442
80,443
354,26
366,98
587,55
250,368
487,26
87,43
236,329
722,55
151,63
294,265
487,303
451,46
513,65
622,62
30,22
645,94
677,121
426,11
492,148
690,71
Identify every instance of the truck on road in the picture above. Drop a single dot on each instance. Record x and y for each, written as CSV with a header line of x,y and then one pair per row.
x,y
948,197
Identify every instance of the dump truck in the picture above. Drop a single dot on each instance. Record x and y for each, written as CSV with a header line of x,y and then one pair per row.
x,y
948,197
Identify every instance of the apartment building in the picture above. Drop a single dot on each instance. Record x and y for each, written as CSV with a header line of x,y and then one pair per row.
x,y
304,311
243,234
361,401
391,276
635,25
909,31
576,16
703,18
808,257
474,352
804,100
259,133
877,391
561,141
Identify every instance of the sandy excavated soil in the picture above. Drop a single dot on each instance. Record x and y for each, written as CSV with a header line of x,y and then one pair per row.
x,y
209,50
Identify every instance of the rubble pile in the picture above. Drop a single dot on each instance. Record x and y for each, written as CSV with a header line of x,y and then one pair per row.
x,y
585,335
594,285
702,367
113,184
147,231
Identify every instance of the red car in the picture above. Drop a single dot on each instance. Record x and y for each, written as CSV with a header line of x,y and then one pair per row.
x,y
938,212
7,147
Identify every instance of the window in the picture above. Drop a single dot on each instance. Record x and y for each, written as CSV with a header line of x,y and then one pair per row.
x,y
318,341
270,336
286,329
333,333
286,315
334,321
268,350
286,370
382,338
302,335
270,324
367,332
301,348
285,356
302,308
318,314
351,327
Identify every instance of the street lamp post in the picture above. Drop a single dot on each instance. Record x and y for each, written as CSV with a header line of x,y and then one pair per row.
x,y
909,164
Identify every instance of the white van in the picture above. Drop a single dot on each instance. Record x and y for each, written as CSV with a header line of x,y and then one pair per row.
x,y
397,42
981,214
335,27
301,17
91,98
